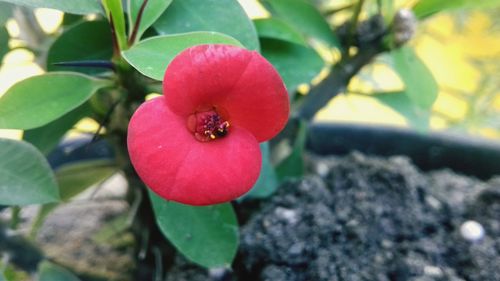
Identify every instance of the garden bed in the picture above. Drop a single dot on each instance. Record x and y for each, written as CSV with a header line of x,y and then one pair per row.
x,y
367,218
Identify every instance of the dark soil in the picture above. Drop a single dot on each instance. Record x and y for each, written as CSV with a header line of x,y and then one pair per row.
x,y
365,218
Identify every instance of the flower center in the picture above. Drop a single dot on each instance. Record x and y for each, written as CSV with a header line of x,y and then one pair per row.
x,y
207,125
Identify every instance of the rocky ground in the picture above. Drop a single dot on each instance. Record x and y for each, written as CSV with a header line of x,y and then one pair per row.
x,y
367,218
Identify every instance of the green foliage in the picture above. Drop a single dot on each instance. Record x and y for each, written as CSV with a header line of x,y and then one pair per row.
x,y
152,11
277,29
420,85
45,138
48,271
304,17
5,12
114,12
425,8
152,56
73,179
400,102
41,99
296,64
74,6
267,183
88,40
77,177
293,165
25,175
206,235
224,16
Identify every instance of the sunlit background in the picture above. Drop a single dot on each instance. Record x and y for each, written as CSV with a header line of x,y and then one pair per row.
x,y
461,48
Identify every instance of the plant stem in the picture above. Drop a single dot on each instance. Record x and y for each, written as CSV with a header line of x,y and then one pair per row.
x,y
137,24
336,82
114,11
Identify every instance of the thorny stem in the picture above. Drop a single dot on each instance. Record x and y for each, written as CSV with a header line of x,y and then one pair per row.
x,y
88,63
116,48
137,24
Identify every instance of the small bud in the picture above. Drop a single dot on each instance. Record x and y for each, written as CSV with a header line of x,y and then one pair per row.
x,y
404,26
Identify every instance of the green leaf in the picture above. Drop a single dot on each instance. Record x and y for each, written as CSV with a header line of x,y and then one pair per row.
x,y
4,42
25,175
41,99
71,19
80,7
400,102
421,87
304,17
73,179
277,29
268,181
90,40
45,138
425,8
152,56
77,177
224,16
296,64
114,12
153,10
293,165
206,235
48,271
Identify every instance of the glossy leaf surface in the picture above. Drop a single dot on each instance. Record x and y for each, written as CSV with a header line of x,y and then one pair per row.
x,y
152,56
420,85
296,64
90,40
304,17
45,138
74,6
224,16
206,235
25,176
400,102
152,11
38,100
277,29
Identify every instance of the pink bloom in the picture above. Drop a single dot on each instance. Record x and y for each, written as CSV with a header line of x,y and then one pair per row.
x,y
198,144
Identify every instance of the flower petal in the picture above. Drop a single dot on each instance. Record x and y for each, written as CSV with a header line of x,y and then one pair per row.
x,y
177,167
242,82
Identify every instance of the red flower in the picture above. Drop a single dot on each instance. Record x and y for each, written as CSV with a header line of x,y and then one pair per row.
x,y
198,144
